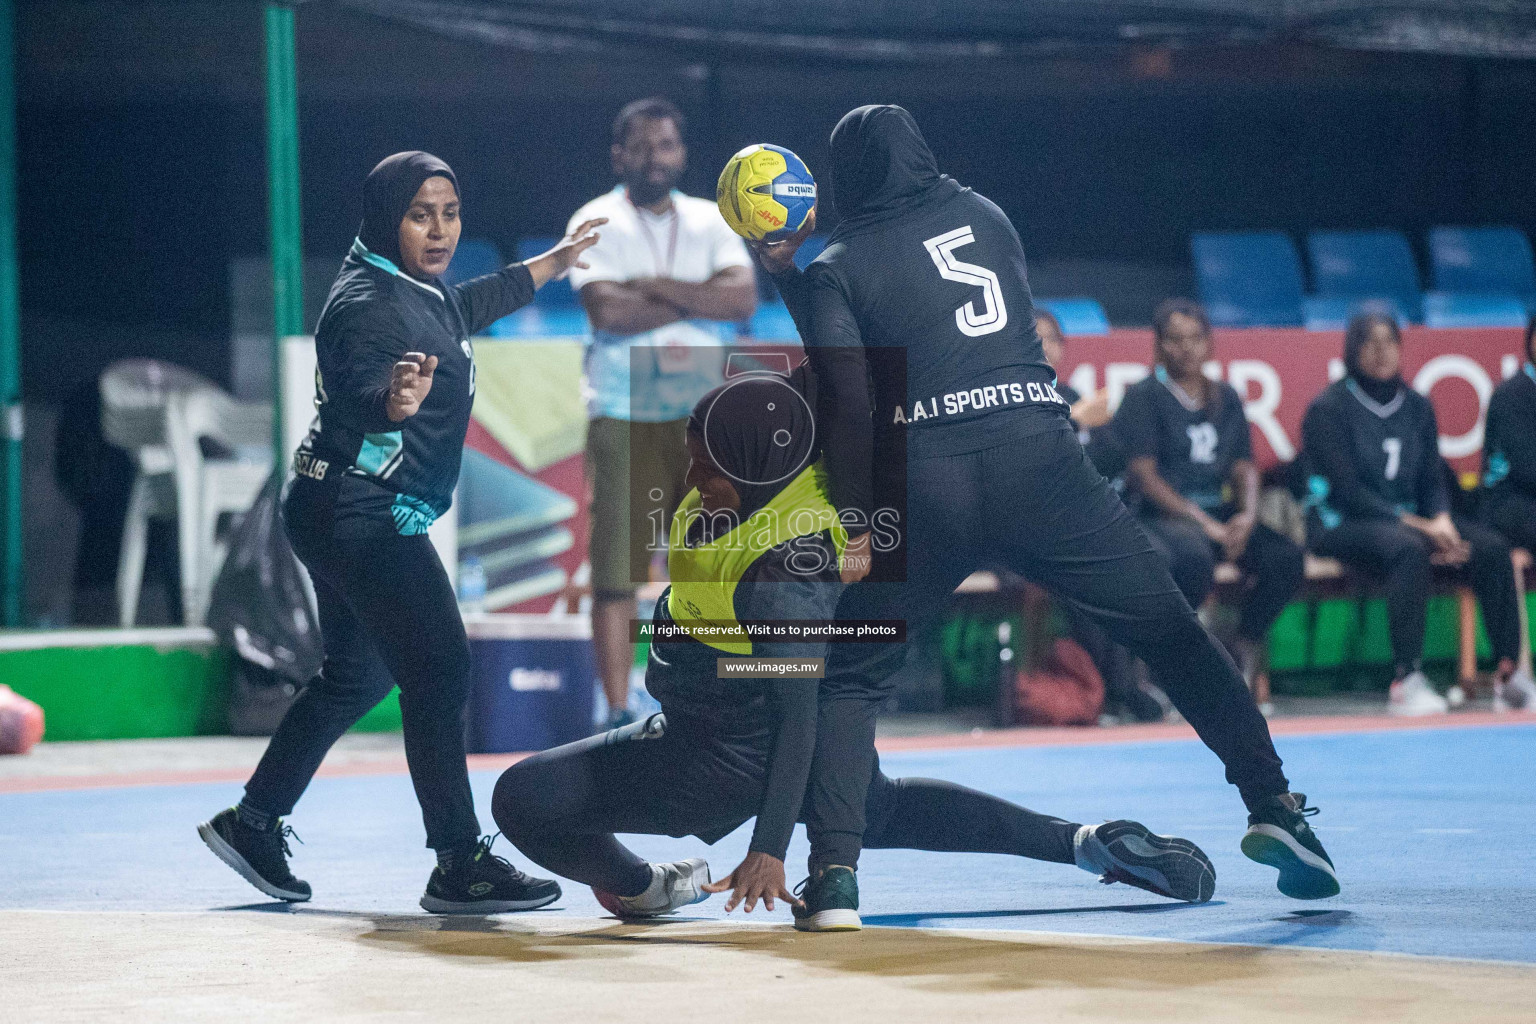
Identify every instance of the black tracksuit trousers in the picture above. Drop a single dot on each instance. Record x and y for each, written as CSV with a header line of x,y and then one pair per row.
x,y
1038,507
670,775
1399,556
388,615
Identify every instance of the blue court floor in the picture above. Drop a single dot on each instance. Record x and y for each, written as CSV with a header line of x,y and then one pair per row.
x,y
1433,832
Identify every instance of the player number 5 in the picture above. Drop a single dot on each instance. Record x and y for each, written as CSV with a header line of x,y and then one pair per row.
x,y
994,315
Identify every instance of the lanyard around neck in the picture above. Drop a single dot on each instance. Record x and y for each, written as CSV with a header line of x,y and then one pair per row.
x,y
651,242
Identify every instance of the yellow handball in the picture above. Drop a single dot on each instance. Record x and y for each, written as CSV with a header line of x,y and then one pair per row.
x,y
765,193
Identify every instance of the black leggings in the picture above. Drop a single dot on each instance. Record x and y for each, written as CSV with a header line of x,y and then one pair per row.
x,y
1038,508
388,615
1272,564
1513,515
562,807
1398,555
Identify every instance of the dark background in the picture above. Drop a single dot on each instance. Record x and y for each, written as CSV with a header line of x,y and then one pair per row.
x,y
141,146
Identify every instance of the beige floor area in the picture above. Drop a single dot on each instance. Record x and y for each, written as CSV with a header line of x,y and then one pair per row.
x,y
317,966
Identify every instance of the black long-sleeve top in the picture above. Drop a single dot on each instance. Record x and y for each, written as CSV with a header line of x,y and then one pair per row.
x,y
1376,460
373,316
1509,441
681,674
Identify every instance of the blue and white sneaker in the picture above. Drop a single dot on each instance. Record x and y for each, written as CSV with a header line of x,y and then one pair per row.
x,y
1278,835
673,887
1126,851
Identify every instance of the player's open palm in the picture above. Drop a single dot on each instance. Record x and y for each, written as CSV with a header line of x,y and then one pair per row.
x,y
566,254
409,385
758,877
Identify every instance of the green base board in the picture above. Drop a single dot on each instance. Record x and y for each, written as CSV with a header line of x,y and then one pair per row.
x,y
101,690
139,691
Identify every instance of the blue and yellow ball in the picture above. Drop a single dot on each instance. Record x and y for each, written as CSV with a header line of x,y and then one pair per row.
x,y
765,193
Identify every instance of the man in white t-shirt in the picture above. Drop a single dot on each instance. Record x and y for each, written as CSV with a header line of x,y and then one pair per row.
x,y
663,291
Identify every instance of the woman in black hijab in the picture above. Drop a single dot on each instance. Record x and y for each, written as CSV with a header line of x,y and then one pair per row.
x,y
394,383
1378,501
756,539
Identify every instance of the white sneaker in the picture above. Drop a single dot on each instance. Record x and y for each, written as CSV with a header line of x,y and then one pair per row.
x,y
1517,693
673,886
1456,697
1412,695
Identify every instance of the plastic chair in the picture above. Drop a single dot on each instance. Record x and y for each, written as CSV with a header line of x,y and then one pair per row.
x,y
532,322
1483,260
1077,316
160,414
1328,313
772,322
556,294
473,258
1474,309
1363,265
1248,278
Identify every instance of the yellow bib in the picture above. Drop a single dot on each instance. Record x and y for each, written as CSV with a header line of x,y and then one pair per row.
x,y
704,578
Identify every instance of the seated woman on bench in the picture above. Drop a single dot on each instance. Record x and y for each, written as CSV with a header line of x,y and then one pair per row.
x,y
1378,502
1509,474
1190,461
757,538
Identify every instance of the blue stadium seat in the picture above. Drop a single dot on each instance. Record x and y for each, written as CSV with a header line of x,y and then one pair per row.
x,y
809,250
541,322
1332,313
1248,278
1077,316
473,257
1494,260
1474,309
772,322
1362,265
555,294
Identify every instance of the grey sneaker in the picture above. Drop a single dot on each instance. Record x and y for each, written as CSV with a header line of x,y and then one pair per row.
x,y
673,887
1126,851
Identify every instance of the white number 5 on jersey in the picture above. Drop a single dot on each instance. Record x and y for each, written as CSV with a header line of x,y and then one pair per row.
x,y
994,317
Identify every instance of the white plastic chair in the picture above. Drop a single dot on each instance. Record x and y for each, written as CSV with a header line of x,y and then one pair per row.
x,y
159,413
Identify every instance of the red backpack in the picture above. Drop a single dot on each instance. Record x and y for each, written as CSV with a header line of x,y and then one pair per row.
x,y
1064,689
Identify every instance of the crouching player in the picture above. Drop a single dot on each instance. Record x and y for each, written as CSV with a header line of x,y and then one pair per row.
x,y
756,538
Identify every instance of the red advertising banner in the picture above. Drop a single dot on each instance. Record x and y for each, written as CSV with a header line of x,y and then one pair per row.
x,y
1279,370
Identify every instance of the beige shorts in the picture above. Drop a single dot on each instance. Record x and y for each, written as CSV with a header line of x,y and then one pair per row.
x,y
636,472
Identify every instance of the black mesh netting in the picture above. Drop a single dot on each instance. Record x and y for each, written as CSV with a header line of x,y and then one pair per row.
x,y
929,30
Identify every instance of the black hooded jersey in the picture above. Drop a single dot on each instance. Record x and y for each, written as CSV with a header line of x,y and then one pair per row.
x,y
1369,459
1509,446
926,279
400,474
1195,448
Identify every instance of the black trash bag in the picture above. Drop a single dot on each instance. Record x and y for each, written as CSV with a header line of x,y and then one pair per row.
x,y
261,609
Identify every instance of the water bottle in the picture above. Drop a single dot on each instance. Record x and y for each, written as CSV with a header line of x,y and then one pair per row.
x,y
471,586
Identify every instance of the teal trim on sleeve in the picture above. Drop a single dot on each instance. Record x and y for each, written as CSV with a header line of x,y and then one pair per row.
x,y
1498,469
380,453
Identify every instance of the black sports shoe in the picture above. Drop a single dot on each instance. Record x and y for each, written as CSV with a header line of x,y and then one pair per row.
x,y
261,858
1126,851
1278,835
486,884
829,901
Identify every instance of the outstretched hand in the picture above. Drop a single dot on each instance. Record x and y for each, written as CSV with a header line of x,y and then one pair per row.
x,y
758,877
566,254
777,257
409,384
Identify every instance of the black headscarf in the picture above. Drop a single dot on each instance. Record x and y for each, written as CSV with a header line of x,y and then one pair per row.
x,y
759,431
880,163
1355,336
387,194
